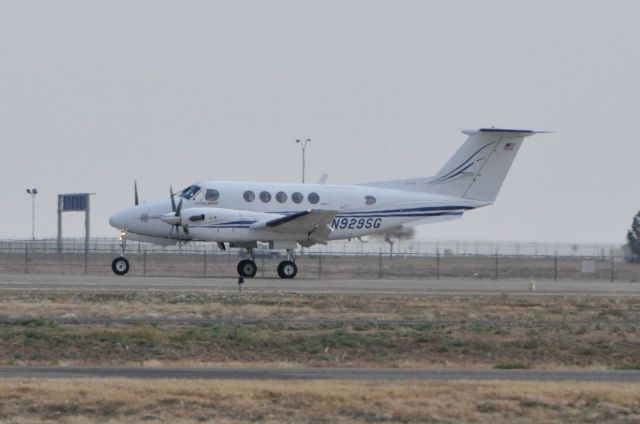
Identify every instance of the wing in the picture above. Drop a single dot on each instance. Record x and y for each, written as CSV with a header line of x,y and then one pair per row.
x,y
314,222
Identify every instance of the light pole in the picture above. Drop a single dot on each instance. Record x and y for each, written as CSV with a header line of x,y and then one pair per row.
x,y
303,144
33,192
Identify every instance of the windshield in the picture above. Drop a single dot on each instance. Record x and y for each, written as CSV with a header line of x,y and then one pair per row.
x,y
189,192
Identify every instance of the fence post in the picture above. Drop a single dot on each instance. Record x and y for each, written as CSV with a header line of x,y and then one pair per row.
x,y
380,265
86,261
555,267
437,265
204,263
612,269
262,265
319,265
497,261
144,262
26,260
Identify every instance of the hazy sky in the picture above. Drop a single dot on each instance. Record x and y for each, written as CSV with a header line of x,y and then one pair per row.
x,y
96,94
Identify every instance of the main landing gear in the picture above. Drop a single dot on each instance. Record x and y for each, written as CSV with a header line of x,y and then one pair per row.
x,y
247,268
286,269
120,265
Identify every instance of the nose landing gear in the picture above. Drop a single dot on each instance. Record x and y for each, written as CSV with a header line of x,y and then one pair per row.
x,y
120,265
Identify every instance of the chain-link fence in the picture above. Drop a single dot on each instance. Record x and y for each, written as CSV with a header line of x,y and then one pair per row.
x,y
201,260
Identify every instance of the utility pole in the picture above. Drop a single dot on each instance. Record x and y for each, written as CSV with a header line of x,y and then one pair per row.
x,y
33,192
303,144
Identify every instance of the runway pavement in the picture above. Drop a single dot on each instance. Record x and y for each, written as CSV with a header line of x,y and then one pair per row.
x,y
383,286
395,374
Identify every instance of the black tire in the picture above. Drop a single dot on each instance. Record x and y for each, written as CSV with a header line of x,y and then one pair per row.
x,y
287,269
247,268
120,265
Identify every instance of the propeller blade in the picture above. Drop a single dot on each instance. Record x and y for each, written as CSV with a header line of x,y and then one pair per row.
x,y
173,201
176,214
135,192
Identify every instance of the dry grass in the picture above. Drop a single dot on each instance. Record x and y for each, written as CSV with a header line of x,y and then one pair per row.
x,y
464,343
227,401
322,345
30,304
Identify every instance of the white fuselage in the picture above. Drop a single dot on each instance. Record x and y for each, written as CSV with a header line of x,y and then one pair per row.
x,y
233,207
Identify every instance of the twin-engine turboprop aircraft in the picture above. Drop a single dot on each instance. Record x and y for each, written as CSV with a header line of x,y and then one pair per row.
x,y
285,215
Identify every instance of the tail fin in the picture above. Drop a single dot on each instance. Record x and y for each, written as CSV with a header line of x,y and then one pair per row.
x,y
478,169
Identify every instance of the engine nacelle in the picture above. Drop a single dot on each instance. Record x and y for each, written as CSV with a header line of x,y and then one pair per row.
x,y
219,224
195,217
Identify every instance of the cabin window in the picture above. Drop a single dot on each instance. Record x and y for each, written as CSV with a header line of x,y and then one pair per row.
x,y
369,200
313,198
189,192
249,196
211,195
265,196
297,197
281,197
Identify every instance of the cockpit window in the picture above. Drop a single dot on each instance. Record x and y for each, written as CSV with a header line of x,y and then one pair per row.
x,y
189,192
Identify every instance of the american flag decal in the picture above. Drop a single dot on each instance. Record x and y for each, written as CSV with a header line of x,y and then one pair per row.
x,y
509,146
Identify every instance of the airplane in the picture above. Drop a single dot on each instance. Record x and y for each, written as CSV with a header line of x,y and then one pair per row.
x,y
240,214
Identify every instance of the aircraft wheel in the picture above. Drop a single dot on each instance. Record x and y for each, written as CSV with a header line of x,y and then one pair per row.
x,y
120,265
287,269
247,268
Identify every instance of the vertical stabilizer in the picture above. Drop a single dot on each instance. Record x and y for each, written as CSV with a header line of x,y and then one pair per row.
x,y
478,169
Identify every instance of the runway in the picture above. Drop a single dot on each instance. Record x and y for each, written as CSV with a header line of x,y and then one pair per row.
x,y
394,374
346,286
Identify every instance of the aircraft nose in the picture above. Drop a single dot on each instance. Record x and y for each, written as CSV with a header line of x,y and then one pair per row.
x,y
118,220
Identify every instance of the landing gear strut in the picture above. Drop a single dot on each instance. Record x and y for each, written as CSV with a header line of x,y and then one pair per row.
x,y
120,265
247,267
288,269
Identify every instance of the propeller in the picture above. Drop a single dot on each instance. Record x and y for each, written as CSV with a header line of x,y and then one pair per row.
x,y
173,201
135,193
175,220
